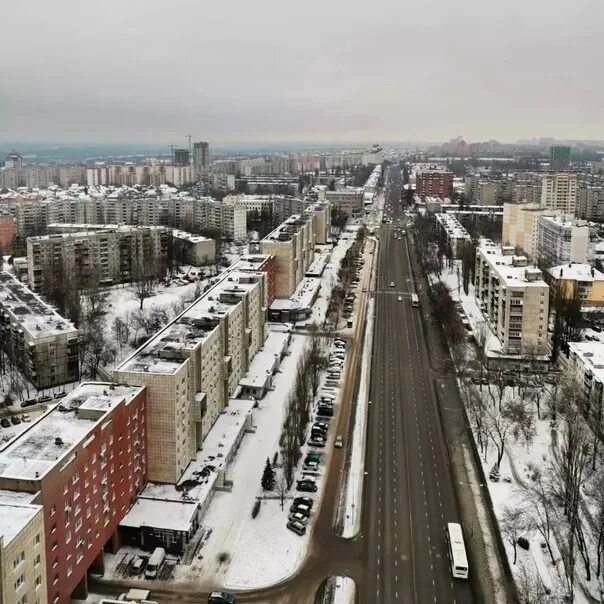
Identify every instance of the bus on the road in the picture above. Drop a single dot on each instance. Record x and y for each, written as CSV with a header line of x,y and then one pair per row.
x,y
414,300
457,551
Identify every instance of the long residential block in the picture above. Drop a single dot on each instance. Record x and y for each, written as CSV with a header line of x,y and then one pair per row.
x,y
193,365
42,343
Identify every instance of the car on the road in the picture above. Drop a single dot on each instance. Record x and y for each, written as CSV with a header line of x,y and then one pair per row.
x,y
339,443
400,298
391,283
29,402
221,597
45,399
297,527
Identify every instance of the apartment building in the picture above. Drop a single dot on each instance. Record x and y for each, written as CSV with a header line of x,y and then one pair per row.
x,y
559,192
113,254
42,344
586,360
320,214
514,299
433,183
84,461
189,214
140,174
579,279
7,234
292,244
22,550
192,366
348,201
454,232
559,157
561,239
194,249
590,202
520,226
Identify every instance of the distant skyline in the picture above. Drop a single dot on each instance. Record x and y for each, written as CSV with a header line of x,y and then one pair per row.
x,y
246,72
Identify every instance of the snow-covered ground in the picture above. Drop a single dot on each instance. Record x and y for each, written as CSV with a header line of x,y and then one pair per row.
x,y
345,591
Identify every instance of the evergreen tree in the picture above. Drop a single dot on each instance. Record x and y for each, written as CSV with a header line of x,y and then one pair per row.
x,y
268,477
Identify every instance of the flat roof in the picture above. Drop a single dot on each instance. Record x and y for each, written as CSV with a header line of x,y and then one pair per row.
x,y
592,356
28,309
50,438
168,349
576,272
513,276
189,236
263,362
14,518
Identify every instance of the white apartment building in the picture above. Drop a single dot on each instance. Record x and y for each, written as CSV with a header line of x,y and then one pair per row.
x,y
514,299
293,246
348,201
454,232
559,192
561,240
42,343
22,550
192,367
140,174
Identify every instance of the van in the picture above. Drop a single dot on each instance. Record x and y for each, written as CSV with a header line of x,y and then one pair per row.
x,y
137,566
155,563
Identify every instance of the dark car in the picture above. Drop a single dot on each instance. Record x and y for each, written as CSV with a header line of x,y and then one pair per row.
x,y
15,420
297,527
45,399
309,501
29,402
4,423
306,486
325,412
221,597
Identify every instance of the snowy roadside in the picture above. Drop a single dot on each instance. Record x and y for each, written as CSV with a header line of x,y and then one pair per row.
x,y
345,591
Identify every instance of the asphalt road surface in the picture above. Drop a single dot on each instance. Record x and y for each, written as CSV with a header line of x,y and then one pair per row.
x,y
409,494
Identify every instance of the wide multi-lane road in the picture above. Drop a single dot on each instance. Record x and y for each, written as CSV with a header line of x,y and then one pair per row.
x,y
409,494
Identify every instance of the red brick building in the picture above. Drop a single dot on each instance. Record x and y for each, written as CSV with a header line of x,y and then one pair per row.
x,y
86,459
434,183
7,234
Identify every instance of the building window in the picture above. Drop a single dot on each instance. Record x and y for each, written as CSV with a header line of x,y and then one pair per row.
x,y
37,539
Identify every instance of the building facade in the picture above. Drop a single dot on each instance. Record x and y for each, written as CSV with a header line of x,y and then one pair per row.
x,y
86,462
42,344
348,201
590,202
192,366
561,240
559,192
580,280
7,234
453,231
513,298
201,158
433,183
559,158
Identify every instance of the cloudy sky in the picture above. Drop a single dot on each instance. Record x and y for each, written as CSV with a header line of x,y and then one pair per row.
x,y
330,70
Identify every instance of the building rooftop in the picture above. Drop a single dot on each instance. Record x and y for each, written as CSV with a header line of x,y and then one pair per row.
x,y
567,221
14,518
513,270
169,348
27,309
184,235
576,272
592,356
452,226
287,229
47,441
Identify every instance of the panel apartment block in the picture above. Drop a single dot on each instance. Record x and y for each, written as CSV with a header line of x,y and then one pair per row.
x,y
192,367
114,254
42,343
292,245
86,461
434,183
559,192
513,297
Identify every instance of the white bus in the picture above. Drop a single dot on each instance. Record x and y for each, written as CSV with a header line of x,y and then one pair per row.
x,y
457,551
414,300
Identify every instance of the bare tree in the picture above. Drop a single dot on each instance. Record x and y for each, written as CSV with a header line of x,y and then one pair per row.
x,y
281,487
513,525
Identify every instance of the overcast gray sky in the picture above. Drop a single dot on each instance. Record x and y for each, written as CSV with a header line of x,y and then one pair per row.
x,y
267,70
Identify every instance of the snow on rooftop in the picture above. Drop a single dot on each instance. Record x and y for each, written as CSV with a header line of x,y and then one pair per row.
x,y
14,518
29,310
576,272
263,363
47,441
503,264
591,354
167,350
157,513
184,235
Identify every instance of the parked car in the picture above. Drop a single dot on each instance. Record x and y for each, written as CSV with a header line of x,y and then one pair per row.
x,y
5,423
296,527
325,411
15,420
305,486
25,418
309,501
155,563
137,567
317,441
298,517
221,597
44,399
300,509
29,402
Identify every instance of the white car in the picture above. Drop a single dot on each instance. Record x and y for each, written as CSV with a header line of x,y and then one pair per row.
x,y
391,283
400,298
339,443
